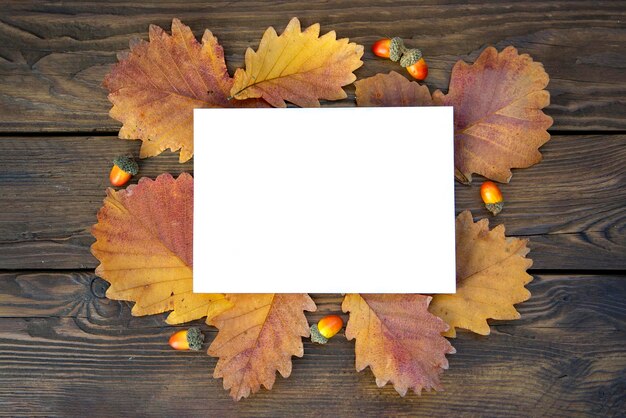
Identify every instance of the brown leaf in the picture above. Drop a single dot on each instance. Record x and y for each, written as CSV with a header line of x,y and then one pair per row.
x,y
491,275
498,120
391,90
257,337
399,339
155,87
144,244
299,67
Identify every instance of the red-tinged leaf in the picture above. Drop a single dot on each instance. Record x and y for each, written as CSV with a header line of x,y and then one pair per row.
x,y
498,119
398,339
155,87
144,244
391,90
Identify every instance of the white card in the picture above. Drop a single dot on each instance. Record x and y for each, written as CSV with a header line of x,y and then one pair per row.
x,y
331,200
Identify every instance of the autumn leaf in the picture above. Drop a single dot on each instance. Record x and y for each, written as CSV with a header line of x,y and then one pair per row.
x,y
398,339
391,90
498,119
490,277
155,87
144,245
497,103
298,67
257,337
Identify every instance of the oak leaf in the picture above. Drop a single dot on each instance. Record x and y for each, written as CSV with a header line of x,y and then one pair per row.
x,y
144,245
497,103
257,337
391,90
498,120
157,84
298,67
398,339
491,275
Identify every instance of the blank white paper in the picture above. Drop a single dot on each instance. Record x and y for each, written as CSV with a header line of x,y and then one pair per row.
x,y
330,200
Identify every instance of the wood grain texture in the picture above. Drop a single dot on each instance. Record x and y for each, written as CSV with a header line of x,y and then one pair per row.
x,y
571,204
54,55
65,350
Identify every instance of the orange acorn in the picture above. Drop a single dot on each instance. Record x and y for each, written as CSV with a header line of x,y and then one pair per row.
x,y
389,48
492,197
419,70
414,63
124,167
187,339
326,328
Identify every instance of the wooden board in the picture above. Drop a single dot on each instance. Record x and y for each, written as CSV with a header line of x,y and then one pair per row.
x,y
63,347
54,186
53,56
66,350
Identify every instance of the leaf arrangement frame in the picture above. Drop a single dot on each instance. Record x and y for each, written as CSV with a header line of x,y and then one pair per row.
x,y
144,247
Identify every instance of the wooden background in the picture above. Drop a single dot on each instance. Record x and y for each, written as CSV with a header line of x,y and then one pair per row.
x,y
67,350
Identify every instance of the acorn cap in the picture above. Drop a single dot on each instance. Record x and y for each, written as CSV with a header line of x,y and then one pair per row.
x,y
195,338
495,208
396,49
127,164
410,57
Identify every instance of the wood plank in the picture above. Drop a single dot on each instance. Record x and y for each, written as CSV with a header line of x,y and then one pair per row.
x,y
65,351
53,56
571,205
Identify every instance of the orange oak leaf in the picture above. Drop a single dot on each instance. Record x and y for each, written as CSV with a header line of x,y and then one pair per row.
x,y
257,337
144,245
490,277
398,339
157,84
298,67
391,90
498,119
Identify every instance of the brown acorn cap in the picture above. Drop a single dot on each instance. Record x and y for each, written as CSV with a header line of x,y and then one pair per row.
x,y
410,57
127,164
396,49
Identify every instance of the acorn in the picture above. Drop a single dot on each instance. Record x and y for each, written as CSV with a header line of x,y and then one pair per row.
x,y
492,197
326,328
187,339
124,167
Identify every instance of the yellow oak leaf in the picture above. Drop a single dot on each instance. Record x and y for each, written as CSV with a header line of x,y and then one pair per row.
x,y
498,121
144,245
157,84
257,337
398,339
490,277
298,67
391,90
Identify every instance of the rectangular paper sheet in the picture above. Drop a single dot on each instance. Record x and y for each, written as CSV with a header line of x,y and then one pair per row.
x,y
330,200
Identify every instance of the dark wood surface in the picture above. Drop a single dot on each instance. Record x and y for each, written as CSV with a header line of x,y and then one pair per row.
x,y
66,350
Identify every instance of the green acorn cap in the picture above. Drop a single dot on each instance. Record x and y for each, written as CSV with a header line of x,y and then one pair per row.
x,y
410,57
195,338
127,164
396,49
